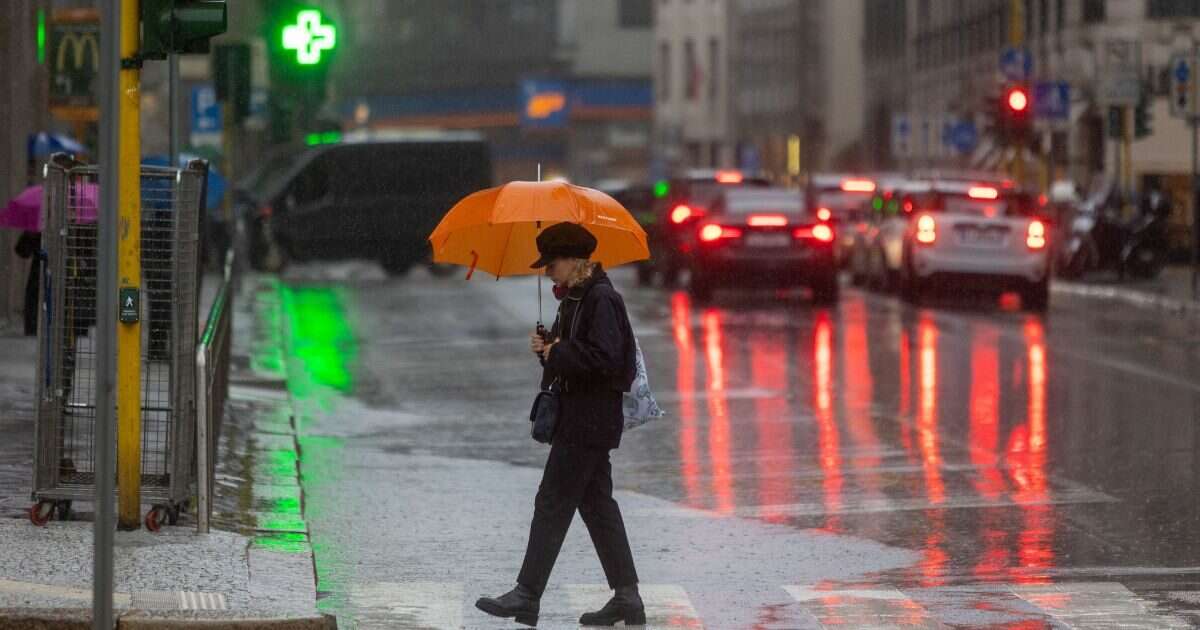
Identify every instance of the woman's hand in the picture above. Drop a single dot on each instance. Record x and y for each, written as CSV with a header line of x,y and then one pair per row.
x,y
537,344
547,349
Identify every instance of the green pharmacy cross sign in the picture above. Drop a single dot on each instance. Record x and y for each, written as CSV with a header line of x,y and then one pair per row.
x,y
309,37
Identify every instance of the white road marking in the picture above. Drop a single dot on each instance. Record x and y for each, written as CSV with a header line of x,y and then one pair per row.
x,y
434,605
863,609
1096,606
667,605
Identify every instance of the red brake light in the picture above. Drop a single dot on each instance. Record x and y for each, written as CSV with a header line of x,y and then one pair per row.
x,y
819,232
926,230
983,192
730,177
824,214
858,185
767,220
680,214
1036,236
713,232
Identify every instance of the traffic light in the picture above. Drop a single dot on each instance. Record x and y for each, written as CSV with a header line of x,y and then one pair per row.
x,y
231,77
1011,116
1142,118
180,26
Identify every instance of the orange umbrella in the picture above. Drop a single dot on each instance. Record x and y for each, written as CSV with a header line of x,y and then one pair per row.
x,y
496,229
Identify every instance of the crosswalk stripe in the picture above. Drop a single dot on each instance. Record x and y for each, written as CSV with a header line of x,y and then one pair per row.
x,y
667,605
433,605
865,609
1096,606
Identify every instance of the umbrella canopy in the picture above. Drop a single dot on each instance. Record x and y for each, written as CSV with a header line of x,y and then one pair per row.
x,y
24,212
495,230
43,144
216,182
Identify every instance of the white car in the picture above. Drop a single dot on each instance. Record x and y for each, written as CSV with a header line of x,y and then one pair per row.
x,y
965,236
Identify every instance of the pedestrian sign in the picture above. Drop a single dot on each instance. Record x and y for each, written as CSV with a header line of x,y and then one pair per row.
x,y
1183,85
1052,100
902,145
129,305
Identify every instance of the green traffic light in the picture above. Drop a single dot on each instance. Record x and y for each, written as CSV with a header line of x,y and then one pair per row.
x,y
309,37
661,188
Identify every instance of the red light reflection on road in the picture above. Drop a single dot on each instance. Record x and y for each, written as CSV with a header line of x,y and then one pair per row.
x,y
827,430
906,392
685,384
776,463
718,412
1027,461
983,442
859,388
927,409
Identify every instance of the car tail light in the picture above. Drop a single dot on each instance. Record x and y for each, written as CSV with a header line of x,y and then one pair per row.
x,y
1035,238
712,232
926,230
819,232
767,220
681,213
858,185
824,214
730,177
983,192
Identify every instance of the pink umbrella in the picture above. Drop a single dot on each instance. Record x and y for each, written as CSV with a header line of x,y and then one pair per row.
x,y
24,212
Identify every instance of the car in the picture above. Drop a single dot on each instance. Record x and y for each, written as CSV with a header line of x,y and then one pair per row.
x,y
372,197
638,199
681,202
762,237
967,236
839,199
875,253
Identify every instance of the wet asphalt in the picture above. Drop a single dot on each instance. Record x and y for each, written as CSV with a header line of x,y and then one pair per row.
x,y
962,464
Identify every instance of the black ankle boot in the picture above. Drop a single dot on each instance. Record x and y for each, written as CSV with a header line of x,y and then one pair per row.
x,y
520,603
625,605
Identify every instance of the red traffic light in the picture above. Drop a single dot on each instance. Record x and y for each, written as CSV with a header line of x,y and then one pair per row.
x,y
1017,100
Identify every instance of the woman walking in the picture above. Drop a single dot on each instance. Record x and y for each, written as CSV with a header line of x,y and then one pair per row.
x,y
589,357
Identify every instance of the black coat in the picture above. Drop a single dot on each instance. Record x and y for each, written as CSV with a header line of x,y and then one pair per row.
x,y
593,362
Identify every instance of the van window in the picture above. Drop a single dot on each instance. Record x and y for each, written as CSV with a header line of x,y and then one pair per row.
x,y
412,168
313,182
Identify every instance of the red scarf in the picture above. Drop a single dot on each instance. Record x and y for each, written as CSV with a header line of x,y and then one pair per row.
x,y
560,292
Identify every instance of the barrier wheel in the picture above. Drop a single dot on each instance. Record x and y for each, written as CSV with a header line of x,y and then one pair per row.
x,y
41,513
155,517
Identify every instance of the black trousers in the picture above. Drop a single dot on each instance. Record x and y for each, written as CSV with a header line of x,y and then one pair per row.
x,y
577,477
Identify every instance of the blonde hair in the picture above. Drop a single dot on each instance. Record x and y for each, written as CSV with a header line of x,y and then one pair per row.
x,y
581,271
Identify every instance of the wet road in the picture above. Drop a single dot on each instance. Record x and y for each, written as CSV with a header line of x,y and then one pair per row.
x,y
871,465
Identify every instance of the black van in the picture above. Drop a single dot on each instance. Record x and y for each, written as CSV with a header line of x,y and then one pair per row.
x,y
366,198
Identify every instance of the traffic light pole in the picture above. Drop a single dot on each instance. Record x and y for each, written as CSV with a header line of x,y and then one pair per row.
x,y
173,109
129,272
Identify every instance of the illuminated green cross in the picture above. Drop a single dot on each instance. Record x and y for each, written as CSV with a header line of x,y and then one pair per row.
x,y
308,37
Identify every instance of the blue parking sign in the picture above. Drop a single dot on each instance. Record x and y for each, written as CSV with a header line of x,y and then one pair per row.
x,y
206,111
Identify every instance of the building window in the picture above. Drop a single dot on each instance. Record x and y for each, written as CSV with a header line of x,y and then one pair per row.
x,y
691,67
636,14
714,68
664,72
1173,8
1093,11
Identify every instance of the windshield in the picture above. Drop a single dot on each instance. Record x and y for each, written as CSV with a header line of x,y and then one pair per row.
x,y
275,165
840,202
751,203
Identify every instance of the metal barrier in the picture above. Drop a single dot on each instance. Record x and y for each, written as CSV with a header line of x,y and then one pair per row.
x,y
64,464
212,387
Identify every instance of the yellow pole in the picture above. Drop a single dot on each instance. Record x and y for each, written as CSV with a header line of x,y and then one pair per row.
x,y
129,271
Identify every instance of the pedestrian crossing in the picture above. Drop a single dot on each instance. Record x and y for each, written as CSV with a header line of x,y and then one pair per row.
x,y
1066,606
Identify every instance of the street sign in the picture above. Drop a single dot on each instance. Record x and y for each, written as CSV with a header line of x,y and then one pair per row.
x,y
1123,90
544,104
74,57
964,136
1120,82
902,132
1016,64
1052,100
1182,70
129,305
206,116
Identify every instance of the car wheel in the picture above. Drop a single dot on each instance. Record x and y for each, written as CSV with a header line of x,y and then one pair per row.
x,y
439,270
826,290
911,290
645,275
396,266
670,274
701,287
1036,297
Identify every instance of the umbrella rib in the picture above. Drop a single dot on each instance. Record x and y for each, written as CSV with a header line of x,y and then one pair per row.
x,y
504,251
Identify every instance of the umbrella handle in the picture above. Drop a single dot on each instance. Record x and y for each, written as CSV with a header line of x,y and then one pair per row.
x,y
474,261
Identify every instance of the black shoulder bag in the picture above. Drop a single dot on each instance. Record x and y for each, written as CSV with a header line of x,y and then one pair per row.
x,y
544,414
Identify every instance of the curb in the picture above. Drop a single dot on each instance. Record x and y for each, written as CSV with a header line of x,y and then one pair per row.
x,y
81,619
1133,297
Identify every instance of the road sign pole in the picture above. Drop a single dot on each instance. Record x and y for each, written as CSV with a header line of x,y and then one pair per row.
x,y
129,333
1127,149
106,322
173,109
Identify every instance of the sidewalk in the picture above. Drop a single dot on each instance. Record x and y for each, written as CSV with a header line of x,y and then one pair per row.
x,y
1170,291
254,570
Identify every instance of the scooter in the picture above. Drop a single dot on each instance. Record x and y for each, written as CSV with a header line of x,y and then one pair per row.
x,y
1100,240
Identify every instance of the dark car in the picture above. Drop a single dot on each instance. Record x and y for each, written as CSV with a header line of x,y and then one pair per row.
x,y
682,201
638,199
763,237
840,200
367,199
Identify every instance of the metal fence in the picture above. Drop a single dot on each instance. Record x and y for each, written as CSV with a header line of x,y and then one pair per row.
x,y
64,465
212,387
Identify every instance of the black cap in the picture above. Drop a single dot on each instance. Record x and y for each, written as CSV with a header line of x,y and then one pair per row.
x,y
564,240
